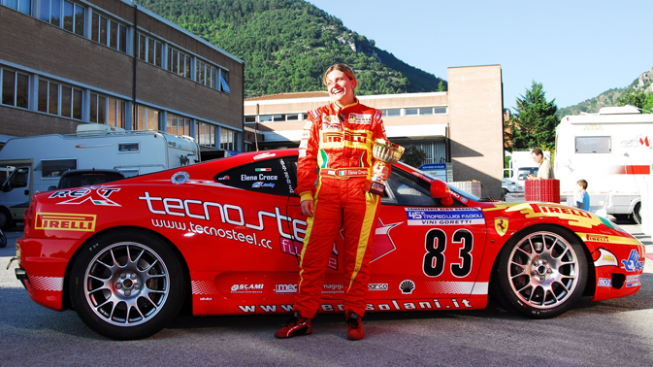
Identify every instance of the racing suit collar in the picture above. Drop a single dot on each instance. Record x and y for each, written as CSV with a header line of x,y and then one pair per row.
x,y
339,108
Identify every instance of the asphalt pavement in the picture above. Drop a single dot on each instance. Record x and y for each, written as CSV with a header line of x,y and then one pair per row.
x,y
607,333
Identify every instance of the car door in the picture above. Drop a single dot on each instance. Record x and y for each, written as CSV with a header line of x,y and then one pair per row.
x,y
262,272
425,252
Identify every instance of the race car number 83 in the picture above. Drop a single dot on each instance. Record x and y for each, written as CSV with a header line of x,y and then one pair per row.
x,y
436,244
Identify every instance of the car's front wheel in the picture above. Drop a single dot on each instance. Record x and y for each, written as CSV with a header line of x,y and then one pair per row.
x,y
127,284
541,273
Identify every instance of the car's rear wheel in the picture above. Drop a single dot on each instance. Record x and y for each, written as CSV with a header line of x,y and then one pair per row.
x,y
127,284
541,273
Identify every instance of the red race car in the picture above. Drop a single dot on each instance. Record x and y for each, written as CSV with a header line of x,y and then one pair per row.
x,y
225,235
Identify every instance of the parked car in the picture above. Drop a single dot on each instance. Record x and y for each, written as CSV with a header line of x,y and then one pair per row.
x,y
226,235
86,177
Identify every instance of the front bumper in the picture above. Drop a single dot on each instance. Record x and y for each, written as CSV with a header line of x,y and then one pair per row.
x,y
613,278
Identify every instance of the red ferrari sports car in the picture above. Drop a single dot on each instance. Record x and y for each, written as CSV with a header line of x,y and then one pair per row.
x,y
225,236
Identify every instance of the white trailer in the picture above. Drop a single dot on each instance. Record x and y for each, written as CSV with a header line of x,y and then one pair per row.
x,y
520,166
612,151
37,162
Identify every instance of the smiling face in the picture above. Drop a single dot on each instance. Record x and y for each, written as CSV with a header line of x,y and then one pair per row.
x,y
340,87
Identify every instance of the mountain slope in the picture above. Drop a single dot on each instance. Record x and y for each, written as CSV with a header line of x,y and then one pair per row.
x,y
287,45
610,97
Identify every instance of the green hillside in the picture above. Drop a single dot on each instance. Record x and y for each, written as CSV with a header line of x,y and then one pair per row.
x,y
287,44
609,97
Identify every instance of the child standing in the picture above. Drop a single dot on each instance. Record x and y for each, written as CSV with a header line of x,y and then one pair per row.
x,y
582,198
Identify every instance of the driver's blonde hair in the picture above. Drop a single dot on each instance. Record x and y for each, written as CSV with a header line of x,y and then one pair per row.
x,y
340,67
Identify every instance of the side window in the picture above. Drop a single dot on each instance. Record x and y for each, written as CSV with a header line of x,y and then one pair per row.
x,y
19,178
272,176
409,190
54,168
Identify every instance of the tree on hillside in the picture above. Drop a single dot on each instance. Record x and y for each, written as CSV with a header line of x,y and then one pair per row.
x,y
648,106
534,122
633,98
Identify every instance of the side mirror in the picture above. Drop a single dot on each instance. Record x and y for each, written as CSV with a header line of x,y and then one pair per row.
x,y
6,187
440,190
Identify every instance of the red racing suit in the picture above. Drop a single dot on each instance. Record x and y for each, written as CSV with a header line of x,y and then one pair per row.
x,y
338,141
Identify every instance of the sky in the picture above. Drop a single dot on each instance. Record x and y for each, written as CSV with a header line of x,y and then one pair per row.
x,y
577,49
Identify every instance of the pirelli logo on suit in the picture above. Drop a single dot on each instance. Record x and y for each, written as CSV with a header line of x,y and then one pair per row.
x,y
339,137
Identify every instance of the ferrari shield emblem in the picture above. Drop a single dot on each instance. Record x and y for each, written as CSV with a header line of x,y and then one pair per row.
x,y
501,225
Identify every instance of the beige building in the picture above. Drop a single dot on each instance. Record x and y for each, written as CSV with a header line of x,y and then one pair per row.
x,y
70,62
463,126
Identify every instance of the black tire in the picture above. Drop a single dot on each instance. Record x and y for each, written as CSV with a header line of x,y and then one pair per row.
x,y
541,272
6,221
637,217
3,239
132,297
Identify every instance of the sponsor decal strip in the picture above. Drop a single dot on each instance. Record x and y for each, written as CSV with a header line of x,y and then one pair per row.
x,y
615,240
65,222
229,234
391,305
444,216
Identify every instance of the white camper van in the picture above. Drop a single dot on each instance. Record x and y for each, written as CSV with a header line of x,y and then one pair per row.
x,y
521,165
612,151
37,162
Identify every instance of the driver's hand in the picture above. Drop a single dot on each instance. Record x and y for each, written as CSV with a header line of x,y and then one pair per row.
x,y
308,208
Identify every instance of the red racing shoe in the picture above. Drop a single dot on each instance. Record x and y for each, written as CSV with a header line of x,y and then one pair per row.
x,y
354,326
296,326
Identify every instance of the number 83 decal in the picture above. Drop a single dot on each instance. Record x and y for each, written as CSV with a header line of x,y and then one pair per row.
x,y
436,244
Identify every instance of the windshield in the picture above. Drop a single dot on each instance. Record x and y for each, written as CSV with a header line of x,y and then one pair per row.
x,y
88,179
454,189
525,171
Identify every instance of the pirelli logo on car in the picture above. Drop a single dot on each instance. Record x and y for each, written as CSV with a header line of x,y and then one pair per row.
x,y
65,222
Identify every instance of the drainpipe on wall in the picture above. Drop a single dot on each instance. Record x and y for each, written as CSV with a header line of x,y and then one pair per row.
x,y
135,58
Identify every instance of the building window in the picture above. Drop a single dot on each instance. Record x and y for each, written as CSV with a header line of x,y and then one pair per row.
x,y
73,15
179,62
71,102
392,113
48,97
147,119
107,110
439,110
206,74
277,118
116,112
150,50
411,111
23,6
109,33
205,134
227,139
98,108
224,81
250,119
15,88
73,18
178,125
